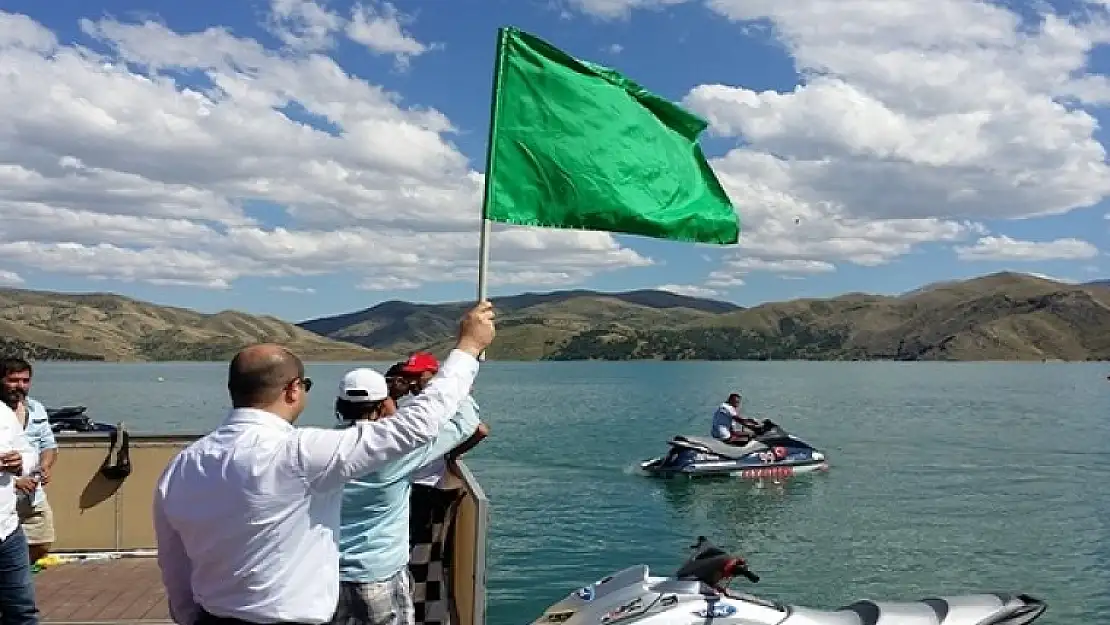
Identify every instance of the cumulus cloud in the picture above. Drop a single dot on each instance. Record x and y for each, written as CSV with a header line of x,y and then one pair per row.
x,y
149,154
912,123
997,248
964,107
914,120
380,27
158,156
303,25
308,26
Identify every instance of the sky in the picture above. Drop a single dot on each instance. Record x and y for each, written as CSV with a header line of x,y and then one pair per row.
x,y
305,158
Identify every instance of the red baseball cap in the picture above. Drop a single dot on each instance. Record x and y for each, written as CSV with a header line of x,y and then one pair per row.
x,y
421,362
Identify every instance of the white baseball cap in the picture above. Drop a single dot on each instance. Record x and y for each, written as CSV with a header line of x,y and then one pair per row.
x,y
363,385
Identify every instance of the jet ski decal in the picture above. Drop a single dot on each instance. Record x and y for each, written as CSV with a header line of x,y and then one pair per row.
x,y
786,471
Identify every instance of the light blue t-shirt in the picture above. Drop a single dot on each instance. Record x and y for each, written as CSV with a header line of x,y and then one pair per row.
x,y
374,523
40,436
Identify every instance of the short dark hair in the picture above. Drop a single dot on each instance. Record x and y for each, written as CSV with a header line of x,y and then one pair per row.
x,y
14,365
733,396
255,380
351,411
396,370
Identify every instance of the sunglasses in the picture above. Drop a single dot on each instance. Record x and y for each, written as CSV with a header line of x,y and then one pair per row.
x,y
305,382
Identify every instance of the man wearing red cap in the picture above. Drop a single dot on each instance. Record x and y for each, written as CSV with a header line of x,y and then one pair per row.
x,y
418,370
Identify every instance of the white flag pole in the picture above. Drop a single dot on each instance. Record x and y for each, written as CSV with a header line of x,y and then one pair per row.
x,y
487,225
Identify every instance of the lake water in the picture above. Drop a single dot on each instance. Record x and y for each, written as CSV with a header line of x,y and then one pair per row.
x,y
945,478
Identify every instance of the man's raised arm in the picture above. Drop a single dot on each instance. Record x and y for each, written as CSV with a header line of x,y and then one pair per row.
x,y
328,458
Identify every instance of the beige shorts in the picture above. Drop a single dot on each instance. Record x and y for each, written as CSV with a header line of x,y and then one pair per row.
x,y
38,522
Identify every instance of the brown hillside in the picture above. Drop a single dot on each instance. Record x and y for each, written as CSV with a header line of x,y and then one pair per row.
x,y
111,327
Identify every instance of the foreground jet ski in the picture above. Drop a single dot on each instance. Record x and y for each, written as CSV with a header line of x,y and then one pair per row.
x,y
695,596
771,453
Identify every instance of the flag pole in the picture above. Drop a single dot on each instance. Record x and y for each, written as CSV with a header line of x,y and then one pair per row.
x,y
487,225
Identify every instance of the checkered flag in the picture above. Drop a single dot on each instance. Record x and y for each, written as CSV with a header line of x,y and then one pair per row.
x,y
431,535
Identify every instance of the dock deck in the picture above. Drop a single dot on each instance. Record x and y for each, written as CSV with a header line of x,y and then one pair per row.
x,y
125,590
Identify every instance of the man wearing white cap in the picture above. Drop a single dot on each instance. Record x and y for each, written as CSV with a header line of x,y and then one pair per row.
x,y
375,586
363,394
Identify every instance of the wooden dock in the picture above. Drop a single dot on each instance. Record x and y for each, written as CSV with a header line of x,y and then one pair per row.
x,y
126,590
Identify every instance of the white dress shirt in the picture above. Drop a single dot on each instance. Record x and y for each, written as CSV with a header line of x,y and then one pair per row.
x,y
247,517
12,439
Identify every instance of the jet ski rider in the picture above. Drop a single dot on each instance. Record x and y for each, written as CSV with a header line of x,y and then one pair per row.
x,y
729,426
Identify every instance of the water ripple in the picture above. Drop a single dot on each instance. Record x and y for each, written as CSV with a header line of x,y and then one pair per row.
x,y
946,478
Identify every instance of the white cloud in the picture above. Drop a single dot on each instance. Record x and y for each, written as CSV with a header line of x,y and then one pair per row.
x,y
10,278
156,265
297,290
733,268
614,48
388,283
954,109
609,9
113,166
308,26
689,290
777,224
996,248
20,31
380,27
150,155
913,121
723,280
303,25
745,265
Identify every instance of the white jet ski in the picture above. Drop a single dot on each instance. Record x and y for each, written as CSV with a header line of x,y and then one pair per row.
x,y
695,596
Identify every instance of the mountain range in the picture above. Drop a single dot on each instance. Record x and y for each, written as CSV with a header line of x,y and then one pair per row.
x,y
1003,316
104,326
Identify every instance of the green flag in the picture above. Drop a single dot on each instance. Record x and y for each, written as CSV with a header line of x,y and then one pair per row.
x,y
577,145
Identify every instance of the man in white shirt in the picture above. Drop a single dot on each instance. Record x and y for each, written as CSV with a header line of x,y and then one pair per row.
x,y
247,517
17,590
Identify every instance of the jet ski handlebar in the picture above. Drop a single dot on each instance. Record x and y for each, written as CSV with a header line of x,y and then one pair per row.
x,y
712,565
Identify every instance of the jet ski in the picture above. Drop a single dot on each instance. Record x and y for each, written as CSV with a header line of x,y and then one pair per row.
x,y
772,452
74,419
698,594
